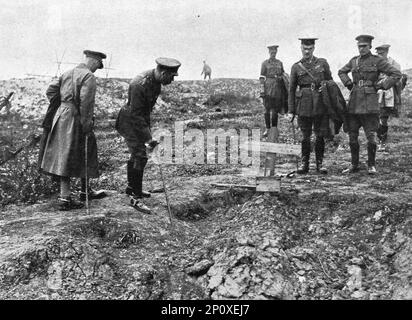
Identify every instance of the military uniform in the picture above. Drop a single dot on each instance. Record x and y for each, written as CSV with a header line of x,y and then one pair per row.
x,y
363,107
273,91
308,104
64,150
389,100
133,122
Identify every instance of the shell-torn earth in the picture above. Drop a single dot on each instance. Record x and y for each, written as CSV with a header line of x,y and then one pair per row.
x,y
331,236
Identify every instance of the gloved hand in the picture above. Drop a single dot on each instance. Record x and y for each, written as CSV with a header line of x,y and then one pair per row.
x,y
152,144
379,84
349,86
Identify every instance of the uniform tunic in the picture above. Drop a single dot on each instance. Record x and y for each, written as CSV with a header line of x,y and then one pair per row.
x,y
363,106
64,153
133,121
275,92
365,72
307,102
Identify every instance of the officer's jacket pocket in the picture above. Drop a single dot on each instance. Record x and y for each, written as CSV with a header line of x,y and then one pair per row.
x,y
301,73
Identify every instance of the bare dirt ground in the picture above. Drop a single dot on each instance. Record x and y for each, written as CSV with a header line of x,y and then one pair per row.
x,y
329,236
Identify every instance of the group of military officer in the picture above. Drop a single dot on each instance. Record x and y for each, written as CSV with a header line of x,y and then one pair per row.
x,y
70,139
70,146
373,77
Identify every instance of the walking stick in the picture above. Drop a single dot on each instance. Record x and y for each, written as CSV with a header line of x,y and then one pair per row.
x,y
87,180
167,197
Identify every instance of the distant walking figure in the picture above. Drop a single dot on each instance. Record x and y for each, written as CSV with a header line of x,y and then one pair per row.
x,y
207,71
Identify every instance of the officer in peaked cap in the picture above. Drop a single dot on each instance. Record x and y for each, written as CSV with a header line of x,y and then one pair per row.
x,y
99,56
170,64
364,39
308,41
382,48
389,100
307,103
73,121
133,123
363,107
274,90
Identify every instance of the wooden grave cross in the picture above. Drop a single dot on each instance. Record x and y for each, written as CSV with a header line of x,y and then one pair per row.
x,y
269,182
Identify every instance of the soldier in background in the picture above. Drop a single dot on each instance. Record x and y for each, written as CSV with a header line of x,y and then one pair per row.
x,y
307,102
389,100
133,123
273,91
207,71
363,107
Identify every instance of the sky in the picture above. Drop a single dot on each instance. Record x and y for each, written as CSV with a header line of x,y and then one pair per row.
x,y
231,35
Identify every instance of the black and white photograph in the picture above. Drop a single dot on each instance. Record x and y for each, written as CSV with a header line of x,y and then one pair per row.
x,y
205,154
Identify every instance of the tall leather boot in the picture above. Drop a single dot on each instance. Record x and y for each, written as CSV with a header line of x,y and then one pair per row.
x,y
385,134
134,188
319,152
132,178
135,179
382,134
304,167
275,118
379,132
354,151
371,158
140,172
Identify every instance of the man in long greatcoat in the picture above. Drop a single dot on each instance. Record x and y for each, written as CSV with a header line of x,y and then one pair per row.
x,y
64,151
133,123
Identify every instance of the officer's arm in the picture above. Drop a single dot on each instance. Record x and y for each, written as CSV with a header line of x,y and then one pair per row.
x,y
53,89
87,96
328,74
293,83
343,74
393,73
138,102
263,73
